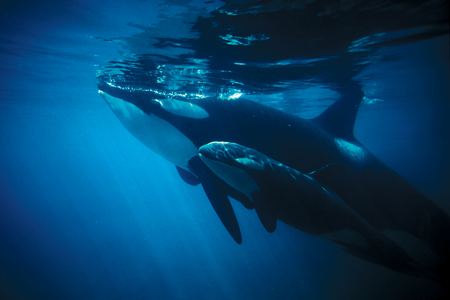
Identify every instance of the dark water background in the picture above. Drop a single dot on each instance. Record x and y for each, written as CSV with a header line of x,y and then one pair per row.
x,y
87,212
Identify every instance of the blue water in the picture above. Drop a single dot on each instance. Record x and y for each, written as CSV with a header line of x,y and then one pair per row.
x,y
87,212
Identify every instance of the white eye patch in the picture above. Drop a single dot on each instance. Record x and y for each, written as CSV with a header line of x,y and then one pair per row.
x,y
183,109
250,163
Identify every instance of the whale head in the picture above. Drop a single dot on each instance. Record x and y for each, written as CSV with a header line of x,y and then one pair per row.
x,y
234,164
154,121
234,155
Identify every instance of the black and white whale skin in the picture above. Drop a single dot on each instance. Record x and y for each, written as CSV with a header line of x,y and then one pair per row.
x,y
282,193
176,128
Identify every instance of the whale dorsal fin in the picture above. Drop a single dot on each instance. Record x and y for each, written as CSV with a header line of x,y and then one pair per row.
x,y
213,187
339,118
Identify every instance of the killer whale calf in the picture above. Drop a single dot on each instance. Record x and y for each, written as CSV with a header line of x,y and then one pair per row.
x,y
176,128
282,193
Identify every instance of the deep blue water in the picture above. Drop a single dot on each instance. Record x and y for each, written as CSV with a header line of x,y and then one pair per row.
x,y
88,212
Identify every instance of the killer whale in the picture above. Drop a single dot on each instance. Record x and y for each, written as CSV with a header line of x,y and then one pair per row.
x,y
177,128
282,193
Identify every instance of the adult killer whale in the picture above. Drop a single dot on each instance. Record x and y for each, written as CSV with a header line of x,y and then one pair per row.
x,y
177,128
282,193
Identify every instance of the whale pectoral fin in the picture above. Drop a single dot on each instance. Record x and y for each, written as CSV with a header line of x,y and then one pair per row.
x,y
188,177
235,194
248,204
219,200
224,210
265,213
